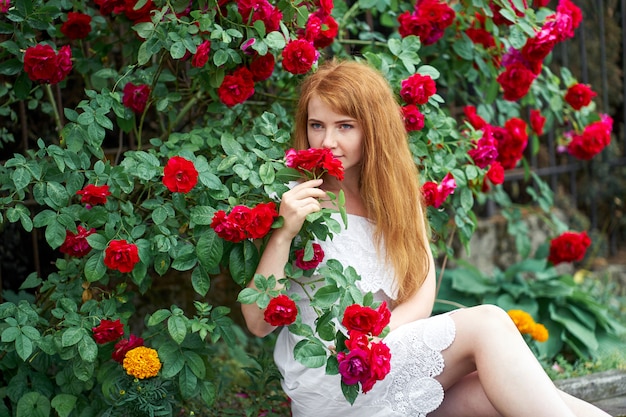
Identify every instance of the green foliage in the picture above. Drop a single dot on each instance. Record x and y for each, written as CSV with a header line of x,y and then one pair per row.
x,y
49,361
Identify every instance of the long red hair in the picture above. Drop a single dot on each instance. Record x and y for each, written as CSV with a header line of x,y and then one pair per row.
x,y
390,186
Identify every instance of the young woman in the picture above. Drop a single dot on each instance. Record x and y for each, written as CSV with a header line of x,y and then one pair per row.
x,y
475,355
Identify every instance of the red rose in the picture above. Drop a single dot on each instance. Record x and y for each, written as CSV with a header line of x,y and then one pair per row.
x,y
77,25
135,15
315,162
428,22
496,173
485,152
136,97
123,346
262,67
121,255
435,194
243,222
473,118
237,87
429,191
5,5
511,142
318,256
595,137
281,311
43,65
357,341
299,56
262,217
413,118
579,95
108,331
365,319
417,89
226,228
106,7
94,194
568,247
537,121
515,81
321,29
201,57
539,46
180,175
76,244
261,10
380,364
354,366
480,36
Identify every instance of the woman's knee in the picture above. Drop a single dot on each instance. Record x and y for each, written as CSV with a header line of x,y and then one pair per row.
x,y
489,317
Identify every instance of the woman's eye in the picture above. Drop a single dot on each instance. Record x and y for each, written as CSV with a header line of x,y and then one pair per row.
x,y
346,126
315,126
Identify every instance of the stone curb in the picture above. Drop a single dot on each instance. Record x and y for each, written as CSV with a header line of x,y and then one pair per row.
x,y
596,386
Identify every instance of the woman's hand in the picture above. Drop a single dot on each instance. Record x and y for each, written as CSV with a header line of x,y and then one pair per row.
x,y
297,203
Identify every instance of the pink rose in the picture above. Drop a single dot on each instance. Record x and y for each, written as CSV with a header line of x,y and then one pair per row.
x,y
354,366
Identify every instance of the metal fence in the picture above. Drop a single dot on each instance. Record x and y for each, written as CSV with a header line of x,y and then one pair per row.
x,y
596,188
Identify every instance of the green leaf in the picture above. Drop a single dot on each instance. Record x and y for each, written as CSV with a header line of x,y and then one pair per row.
x,y
88,349
195,363
55,234
72,336
210,249
177,328
97,241
248,296
33,404
64,404
158,316
10,334
200,280
187,382
326,296
95,268
23,346
311,354
21,178
350,392
31,281
202,215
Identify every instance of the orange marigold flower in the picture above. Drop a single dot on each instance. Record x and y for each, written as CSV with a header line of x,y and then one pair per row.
x,y
524,321
142,362
540,333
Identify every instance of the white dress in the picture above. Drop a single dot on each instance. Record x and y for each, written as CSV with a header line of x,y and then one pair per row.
x,y
410,388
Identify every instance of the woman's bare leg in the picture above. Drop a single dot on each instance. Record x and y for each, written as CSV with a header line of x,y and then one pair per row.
x,y
513,382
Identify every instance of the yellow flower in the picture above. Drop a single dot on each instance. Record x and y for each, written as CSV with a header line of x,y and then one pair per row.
x,y
540,333
522,320
142,362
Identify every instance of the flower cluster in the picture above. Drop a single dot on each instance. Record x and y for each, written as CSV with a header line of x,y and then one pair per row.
x,y
364,361
415,91
527,325
180,175
569,247
44,65
521,66
594,138
428,20
314,162
244,223
435,194
281,311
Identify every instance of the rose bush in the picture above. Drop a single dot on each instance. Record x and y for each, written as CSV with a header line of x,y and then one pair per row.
x,y
162,140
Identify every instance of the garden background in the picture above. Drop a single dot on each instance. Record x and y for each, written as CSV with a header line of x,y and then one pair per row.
x,y
127,125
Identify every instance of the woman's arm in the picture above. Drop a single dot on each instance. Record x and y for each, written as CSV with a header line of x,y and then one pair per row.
x,y
295,205
420,305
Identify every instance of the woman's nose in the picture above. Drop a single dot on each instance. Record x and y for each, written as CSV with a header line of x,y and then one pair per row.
x,y
329,140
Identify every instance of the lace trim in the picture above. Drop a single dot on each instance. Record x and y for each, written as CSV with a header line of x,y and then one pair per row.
x,y
411,387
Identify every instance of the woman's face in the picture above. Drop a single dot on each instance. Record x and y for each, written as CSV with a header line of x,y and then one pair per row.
x,y
337,132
